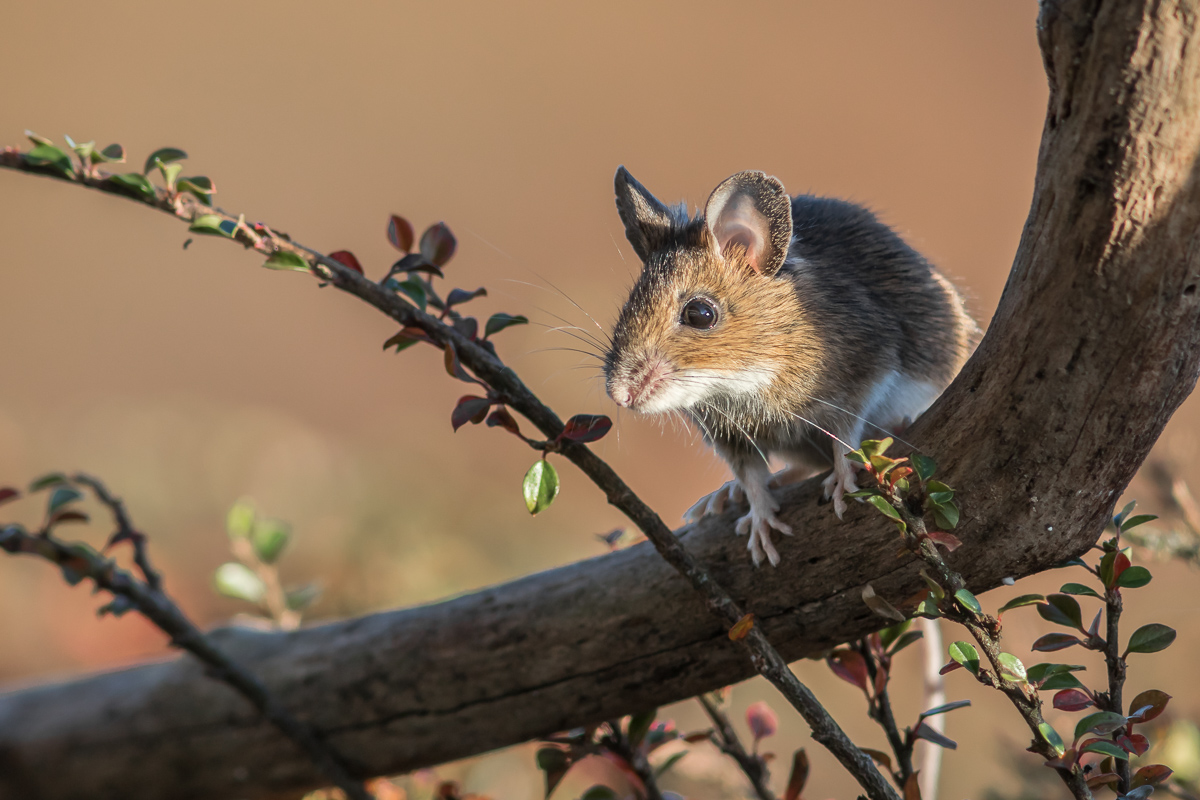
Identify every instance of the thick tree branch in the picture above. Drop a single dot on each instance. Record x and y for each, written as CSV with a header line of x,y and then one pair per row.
x,y
1092,348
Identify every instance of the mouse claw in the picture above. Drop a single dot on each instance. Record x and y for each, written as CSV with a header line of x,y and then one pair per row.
x,y
759,526
837,485
709,505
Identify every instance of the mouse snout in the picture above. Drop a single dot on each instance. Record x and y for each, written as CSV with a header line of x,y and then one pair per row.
x,y
638,383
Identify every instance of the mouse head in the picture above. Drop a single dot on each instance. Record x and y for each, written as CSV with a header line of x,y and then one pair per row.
x,y
710,315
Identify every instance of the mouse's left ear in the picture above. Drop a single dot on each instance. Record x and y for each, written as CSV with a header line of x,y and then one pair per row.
x,y
753,210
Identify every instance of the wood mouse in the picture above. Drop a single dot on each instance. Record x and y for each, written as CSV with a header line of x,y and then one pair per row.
x,y
786,327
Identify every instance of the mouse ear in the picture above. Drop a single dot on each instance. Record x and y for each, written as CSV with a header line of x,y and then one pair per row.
x,y
647,221
752,209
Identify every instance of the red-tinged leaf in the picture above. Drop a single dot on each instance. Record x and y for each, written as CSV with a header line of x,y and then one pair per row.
x,y
453,367
912,788
881,758
469,409
850,666
1102,779
1072,700
898,473
1151,775
400,233
347,259
501,418
1054,641
406,336
698,736
1065,760
799,776
457,296
1134,743
946,540
1094,628
761,720
468,327
741,628
1120,564
946,670
68,516
438,244
584,428
8,493
881,680
1148,705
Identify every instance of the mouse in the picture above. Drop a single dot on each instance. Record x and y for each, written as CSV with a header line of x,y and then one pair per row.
x,y
784,328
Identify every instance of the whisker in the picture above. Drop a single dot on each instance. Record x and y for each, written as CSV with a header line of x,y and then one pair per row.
x,y
566,350
872,424
733,422
822,430
581,308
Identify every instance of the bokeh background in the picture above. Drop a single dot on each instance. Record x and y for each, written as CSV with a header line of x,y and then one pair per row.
x,y
190,378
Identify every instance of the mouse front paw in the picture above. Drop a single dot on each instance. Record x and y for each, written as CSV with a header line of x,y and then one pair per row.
x,y
759,523
837,485
729,494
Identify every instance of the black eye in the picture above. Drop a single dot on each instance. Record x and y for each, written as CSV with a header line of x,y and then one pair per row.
x,y
700,313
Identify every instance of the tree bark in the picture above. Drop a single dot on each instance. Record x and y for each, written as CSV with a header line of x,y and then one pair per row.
x,y
1093,346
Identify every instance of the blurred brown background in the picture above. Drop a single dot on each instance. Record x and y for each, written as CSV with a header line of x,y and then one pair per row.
x,y
187,379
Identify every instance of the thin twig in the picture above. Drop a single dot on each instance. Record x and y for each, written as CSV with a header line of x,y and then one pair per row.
x,y
509,388
154,604
728,742
879,708
617,742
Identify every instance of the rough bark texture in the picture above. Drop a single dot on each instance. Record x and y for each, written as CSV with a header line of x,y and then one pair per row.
x,y
1094,345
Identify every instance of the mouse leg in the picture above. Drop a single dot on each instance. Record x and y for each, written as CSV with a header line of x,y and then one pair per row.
x,y
842,479
728,495
755,478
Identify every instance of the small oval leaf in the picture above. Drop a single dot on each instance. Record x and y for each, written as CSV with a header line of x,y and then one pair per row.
x,y
400,233
1151,638
540,486
239,582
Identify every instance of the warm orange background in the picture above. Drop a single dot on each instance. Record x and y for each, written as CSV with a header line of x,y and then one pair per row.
x,y
189,378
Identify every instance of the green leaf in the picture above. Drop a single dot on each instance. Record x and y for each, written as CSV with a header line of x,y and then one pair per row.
x,y
1133,578
1012,667
551,759
893,632
52,479
85,151
885,507
1119,518
198,185
1040,672
945,515
1151,638
1051,736
1107,748
924,466
413,288
876,447
944,708
113,154
239,582
968,600
666,765
209,224
1061,609
862,493
301,598
601,792
1101,722
639,726
965,654
134,184
164,154
36,139
905,640
498,322
1063,680
927,608
282,259
1023,600
540,486
61,496
47,155
1080,590
170,172
269,537
1140,519
239,522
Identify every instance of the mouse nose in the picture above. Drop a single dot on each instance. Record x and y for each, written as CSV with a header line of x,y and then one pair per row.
x,y
620,396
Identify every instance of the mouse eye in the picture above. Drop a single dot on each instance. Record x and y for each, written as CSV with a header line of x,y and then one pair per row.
x,y
699,312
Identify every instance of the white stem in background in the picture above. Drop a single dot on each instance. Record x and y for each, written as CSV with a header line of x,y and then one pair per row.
x,y
930,763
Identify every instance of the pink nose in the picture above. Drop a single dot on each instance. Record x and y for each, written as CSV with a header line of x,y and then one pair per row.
x,y
620,396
